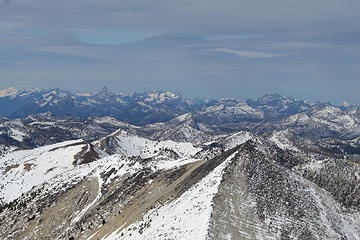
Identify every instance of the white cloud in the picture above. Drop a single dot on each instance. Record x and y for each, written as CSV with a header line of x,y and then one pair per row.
x,y
309,45
78,51
245,53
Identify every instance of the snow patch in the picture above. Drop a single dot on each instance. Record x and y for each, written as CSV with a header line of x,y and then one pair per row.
x,y
98,196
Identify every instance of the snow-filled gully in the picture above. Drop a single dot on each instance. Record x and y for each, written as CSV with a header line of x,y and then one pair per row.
x,y
98,196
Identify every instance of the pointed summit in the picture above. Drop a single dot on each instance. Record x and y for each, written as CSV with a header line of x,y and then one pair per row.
x,y
105,92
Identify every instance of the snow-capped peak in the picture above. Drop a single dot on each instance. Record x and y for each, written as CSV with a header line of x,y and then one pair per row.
x,y
9,92
160,96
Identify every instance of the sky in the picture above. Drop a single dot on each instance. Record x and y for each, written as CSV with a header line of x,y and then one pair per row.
x,y
308,49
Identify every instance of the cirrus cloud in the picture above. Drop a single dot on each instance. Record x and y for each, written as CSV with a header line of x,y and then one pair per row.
x,y
246,53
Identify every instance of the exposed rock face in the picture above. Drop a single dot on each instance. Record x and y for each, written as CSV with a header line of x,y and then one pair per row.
x,y
262,199
340,177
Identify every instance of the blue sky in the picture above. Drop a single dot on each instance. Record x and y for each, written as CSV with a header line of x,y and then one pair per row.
x,y
205,48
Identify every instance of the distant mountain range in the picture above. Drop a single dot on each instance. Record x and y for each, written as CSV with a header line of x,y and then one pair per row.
x,y
137,108
64,110
144,108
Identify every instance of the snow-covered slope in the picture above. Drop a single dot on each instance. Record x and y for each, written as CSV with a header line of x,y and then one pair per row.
x,y
132,145
183,128
325,121
20,171
283,139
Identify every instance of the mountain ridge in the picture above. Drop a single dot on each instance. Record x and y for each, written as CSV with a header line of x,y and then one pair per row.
x,y
53,99
271,168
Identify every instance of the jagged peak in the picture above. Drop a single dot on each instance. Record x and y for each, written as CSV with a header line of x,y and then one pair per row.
x,y
104,92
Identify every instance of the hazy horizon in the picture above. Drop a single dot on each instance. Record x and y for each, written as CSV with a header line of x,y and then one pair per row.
x,y
209,49
94,91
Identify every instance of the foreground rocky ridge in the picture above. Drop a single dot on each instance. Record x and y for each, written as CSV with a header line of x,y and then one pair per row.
x,y
260,198
238,186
